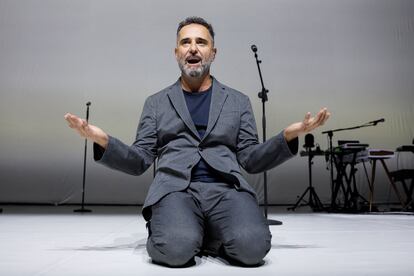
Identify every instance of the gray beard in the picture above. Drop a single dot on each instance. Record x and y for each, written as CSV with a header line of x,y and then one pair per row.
x,y
195,73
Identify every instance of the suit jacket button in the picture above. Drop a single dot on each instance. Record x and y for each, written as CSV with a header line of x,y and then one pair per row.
x,y
200,148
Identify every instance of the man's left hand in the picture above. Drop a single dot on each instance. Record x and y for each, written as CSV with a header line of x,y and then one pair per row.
x,y
308,124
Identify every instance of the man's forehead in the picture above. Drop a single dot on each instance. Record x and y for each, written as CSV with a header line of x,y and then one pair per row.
x,y
194,31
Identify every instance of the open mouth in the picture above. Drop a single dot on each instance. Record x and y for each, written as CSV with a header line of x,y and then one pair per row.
x,y
193,60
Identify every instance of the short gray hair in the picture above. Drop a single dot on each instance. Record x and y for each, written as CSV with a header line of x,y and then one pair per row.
x,y
196,20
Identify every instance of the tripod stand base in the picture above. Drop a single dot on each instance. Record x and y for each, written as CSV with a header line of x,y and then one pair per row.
x,y
274,222
82,210
314,201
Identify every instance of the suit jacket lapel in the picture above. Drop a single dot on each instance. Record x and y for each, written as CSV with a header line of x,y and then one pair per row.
x,y
177,99
218,97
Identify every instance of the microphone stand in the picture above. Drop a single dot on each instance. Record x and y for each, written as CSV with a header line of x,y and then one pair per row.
x,y
263,95
314,201
82,209
331,153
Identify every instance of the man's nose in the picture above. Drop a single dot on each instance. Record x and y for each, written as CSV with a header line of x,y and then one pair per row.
x,y
193,48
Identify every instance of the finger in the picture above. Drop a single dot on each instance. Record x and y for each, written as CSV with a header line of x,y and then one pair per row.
x,y
69,119
327,115
320,116
67,115
316,121
324,117
307,118
75,121
83,130
307,121
85,125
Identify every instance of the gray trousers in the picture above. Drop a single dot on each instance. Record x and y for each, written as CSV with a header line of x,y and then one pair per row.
x,y
208,217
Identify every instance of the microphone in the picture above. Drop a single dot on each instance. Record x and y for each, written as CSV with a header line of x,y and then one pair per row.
x,y
377,121
309,141
254,48
88,103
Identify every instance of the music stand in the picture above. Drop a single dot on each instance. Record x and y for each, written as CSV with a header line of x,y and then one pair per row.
x,y
314,202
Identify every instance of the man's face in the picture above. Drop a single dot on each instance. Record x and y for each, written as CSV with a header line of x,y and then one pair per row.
x,y
195,50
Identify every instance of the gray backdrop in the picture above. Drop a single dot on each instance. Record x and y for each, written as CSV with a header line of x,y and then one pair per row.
x,y
355,57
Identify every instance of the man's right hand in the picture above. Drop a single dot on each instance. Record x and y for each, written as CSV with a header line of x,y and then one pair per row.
x,y
87,131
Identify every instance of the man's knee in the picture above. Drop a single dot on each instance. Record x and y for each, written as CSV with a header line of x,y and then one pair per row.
x,y
248,246
174,250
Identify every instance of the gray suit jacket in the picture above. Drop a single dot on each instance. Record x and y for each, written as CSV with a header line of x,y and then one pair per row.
x,y
167,131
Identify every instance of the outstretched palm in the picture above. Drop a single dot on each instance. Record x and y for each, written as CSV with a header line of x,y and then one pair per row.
x,y
308,124
86,130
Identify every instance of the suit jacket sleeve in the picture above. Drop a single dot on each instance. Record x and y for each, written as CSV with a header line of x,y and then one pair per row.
x,y
138,157
257,157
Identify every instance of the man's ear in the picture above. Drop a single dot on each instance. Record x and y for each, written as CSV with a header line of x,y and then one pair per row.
x,y
215,52
175,53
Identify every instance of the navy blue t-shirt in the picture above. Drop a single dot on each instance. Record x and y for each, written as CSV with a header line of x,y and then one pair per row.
x,y
198,104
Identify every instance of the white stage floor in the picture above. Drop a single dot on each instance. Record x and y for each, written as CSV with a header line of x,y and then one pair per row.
x,y
111,241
